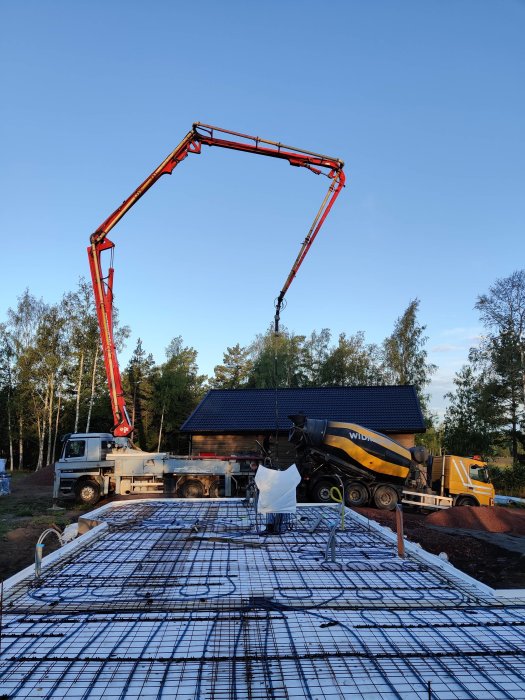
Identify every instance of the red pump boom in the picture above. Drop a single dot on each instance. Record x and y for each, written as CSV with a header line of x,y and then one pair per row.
x,y
201,134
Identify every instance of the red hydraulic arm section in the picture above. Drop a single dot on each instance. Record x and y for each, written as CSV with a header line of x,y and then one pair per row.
x,y
201,134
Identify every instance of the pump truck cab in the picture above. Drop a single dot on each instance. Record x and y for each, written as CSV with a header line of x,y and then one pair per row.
x,y
95,465
374,469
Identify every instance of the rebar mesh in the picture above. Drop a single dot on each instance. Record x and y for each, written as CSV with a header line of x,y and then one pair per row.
x,y
188,600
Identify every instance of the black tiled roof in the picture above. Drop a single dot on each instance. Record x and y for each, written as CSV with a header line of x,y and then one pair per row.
x,y
393,409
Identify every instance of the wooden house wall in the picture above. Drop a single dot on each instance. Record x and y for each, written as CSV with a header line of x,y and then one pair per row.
x,y
232,444
405,439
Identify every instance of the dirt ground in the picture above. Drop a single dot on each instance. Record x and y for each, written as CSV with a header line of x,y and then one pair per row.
x,y
27,512
485,562
24,515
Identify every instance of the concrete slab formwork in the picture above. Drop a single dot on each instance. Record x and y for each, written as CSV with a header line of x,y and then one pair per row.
x,y
184,599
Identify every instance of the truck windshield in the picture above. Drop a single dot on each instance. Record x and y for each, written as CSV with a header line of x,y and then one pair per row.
x,y
75,448
480,474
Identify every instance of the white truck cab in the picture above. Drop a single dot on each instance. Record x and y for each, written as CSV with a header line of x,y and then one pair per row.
x,y
86,447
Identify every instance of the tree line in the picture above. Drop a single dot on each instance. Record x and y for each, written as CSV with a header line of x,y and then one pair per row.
x,y
52,378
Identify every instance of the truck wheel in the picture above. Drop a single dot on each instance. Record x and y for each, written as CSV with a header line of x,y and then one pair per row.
x,y
466,501
321,491
192,488
386,498
356,494
88,492
216,490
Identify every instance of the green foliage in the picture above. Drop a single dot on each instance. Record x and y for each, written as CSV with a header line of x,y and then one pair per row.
x,y
50,382
138,381
432,439
509,482
469,425
316,351
499,361
277,361
487,410
52,376
351,363
178,389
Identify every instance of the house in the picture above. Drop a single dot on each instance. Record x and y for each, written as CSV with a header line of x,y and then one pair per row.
x,y
229,421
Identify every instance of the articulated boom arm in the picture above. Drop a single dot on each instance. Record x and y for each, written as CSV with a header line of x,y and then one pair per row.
x,y
201,134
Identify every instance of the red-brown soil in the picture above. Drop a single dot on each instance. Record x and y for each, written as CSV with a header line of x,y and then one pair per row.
x,y
485,562
496,519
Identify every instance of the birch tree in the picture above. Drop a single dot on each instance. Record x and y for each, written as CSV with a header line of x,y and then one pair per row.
x,y
502,310
22,326
7,387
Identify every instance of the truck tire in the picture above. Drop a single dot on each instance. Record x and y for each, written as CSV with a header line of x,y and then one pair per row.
x,y
356,494
192,488
216,490
87,492
320,491
467,501
386,497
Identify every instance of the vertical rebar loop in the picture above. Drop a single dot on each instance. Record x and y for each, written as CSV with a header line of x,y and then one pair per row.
x,y
39,551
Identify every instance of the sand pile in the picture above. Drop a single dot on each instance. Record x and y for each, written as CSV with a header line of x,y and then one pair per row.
x,y
496,519
43,477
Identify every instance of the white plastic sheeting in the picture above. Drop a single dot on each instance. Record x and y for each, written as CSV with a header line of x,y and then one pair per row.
x,y
277,489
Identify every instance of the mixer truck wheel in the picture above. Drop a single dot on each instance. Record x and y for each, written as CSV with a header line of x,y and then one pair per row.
x,y
386,498
88,492
320,491
466,501
356,494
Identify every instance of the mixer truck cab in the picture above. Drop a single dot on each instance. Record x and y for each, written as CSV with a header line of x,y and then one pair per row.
x,y
464,479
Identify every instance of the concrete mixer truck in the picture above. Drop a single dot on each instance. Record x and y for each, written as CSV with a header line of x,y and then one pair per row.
x,y
374,469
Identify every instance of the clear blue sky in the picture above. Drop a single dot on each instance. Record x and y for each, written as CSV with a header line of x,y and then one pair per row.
x,y
423,100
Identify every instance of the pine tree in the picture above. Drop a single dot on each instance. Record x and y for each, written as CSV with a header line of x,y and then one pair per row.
x,y
235,370
404,354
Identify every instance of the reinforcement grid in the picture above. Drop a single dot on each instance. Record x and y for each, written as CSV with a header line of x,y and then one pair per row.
x,y
193,600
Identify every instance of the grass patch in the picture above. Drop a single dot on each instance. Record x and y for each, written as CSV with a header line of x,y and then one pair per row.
x,y
23,507
21,511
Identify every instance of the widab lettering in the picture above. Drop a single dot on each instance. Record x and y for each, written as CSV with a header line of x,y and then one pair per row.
x,y
358,436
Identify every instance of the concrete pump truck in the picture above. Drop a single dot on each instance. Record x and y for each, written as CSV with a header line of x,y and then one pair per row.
x,y
95,465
